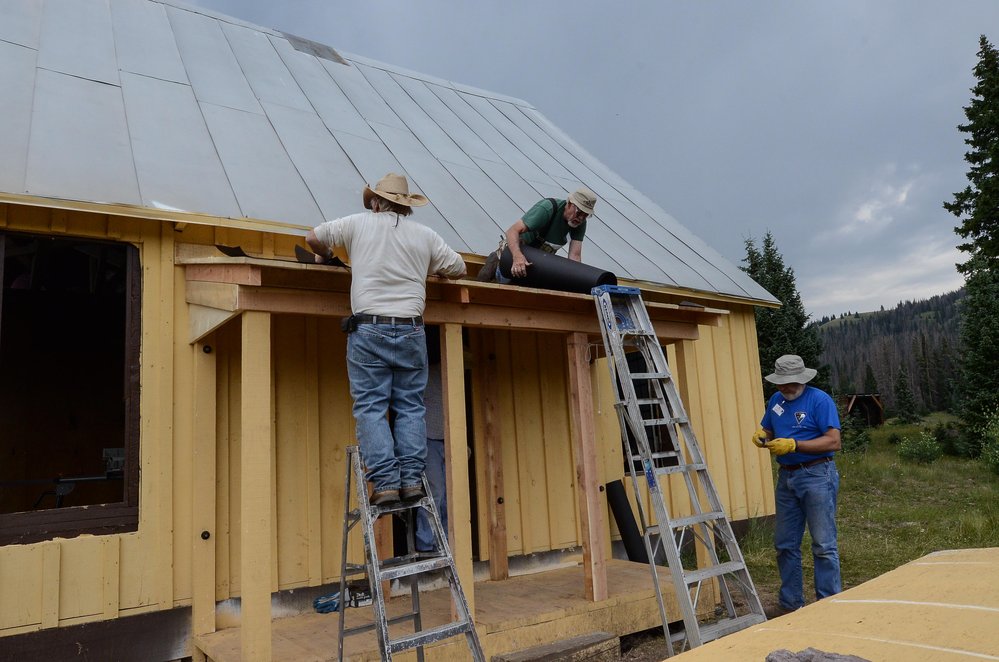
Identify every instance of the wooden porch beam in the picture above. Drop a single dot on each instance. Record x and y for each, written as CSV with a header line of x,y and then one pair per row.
x,y
591,505
256,455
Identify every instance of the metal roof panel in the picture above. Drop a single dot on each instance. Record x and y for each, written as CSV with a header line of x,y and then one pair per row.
x,y
79,146
20,22
76,39
144,40
17,80
175,159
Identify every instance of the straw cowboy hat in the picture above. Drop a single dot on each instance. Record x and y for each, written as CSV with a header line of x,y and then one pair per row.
x,y
394,188
790,369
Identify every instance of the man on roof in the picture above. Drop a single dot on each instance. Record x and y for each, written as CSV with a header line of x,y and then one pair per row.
x,y
547,225
390,259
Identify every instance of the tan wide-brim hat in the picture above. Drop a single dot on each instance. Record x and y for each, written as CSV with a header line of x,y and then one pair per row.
x,y
584,199
394,188
790,369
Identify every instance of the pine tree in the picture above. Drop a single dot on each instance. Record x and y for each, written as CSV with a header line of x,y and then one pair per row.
x,y
870,381
783,330
905,402
976,207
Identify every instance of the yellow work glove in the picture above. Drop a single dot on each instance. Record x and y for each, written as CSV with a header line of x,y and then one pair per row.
x,y
782,446
759,438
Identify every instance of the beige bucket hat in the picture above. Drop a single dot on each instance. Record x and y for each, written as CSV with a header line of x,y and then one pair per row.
x,y
584,199
394,188
790,369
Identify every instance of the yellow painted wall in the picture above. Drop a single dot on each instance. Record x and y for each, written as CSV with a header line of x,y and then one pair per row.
x,y
69,581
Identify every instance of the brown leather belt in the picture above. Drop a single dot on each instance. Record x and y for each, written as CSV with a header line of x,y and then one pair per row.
x,y
810,463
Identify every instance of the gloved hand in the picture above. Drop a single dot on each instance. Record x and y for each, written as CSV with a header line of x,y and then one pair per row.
x,y
759,438
782,446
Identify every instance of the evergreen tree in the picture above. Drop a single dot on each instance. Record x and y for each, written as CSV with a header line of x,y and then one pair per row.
x,y
783,330
977,207
870,381
905,402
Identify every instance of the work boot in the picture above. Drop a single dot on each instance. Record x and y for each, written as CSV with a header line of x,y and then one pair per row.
x,y
487,274
411,493
384,498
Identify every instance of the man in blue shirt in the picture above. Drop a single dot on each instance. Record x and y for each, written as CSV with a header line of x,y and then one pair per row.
x,y
800,427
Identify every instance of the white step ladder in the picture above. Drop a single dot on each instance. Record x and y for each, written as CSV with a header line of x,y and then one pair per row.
x,y
411,565
659,443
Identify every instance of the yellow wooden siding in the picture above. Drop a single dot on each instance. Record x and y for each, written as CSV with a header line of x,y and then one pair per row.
x,y
88,578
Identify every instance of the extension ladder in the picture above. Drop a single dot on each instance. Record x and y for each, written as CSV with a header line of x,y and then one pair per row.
x,y
659,443
411,565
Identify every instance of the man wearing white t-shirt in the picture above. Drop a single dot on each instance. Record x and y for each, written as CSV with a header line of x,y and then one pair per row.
x,y
390,259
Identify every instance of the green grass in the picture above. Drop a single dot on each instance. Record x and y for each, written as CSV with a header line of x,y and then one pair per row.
x,y
892,511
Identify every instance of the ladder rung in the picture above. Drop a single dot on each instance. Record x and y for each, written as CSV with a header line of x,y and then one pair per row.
x,y
425,637
393,571
649,375
660,455
696,576
355,568
367,627
649,422
728,626
680,468
696,519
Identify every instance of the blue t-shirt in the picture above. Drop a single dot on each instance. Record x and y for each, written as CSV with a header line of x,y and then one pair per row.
x,y
807,417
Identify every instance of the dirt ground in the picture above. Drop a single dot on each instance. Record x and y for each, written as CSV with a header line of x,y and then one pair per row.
x,y
649,645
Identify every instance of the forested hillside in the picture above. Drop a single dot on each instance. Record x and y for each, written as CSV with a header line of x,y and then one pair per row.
x,y
915,342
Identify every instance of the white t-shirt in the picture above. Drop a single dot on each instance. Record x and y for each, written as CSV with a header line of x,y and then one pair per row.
x,y
389,261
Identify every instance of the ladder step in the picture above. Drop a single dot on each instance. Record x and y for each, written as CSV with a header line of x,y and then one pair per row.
x,y
696,576
635,376
649,422
367,627
407,568
696,519
729,625
429,636
680,468
354,568
661,455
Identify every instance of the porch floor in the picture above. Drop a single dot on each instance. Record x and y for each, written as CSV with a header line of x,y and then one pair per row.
x,y
510,615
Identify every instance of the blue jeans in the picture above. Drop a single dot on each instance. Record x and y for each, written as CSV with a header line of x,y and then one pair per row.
x,y
438,489
807,495
387,366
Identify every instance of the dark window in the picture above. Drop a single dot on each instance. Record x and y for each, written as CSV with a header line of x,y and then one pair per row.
x,y
69,387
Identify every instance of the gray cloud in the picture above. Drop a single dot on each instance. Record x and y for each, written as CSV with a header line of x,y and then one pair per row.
x,y
831,124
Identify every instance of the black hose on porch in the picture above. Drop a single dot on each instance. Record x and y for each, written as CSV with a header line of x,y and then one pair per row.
x,y
625,518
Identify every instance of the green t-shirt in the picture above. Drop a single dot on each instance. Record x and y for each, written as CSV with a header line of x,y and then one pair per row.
x,y
543,229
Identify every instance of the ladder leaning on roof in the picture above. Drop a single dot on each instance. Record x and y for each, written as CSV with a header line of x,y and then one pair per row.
x,y
411,565
659,443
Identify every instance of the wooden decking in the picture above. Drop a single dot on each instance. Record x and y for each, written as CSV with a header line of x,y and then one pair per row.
x,y
511,615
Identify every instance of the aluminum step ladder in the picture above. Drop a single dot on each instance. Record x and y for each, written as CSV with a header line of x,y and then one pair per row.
x,y
660,445
412,565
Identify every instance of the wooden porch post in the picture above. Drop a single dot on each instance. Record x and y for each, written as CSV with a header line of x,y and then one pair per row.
x,y
591,506
203,493
487,395
459,513
256,455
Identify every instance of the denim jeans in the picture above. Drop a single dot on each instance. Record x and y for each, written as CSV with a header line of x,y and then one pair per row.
x,y
387,366
807,495
438,489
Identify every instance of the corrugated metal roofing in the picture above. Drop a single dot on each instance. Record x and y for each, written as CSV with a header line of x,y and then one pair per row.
x,y
157,104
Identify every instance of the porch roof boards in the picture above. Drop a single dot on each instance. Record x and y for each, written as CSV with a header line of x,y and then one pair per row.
x,y
202,118
220,288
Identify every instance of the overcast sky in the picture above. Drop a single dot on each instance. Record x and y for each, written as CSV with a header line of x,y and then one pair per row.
x,y
831,124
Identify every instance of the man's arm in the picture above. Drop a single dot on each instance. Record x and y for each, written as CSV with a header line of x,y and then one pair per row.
x,y
576,250
830,441
518,267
